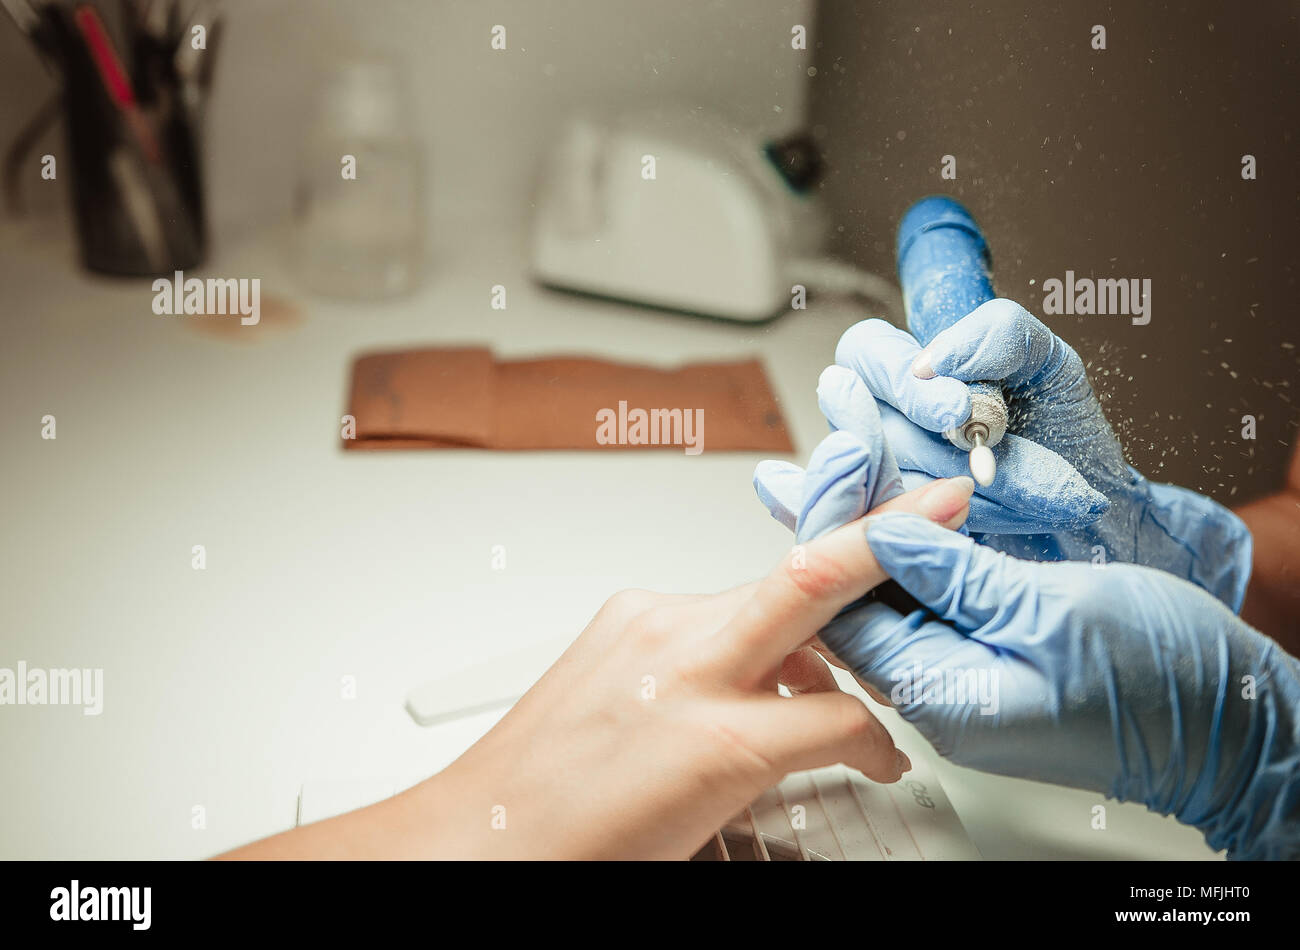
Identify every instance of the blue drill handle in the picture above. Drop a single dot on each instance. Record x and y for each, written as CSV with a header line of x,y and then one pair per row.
x,y
943,265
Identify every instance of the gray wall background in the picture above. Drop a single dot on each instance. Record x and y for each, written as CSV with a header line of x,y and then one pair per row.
x,y
1117,163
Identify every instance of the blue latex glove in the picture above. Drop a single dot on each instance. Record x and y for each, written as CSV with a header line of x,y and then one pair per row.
x,y
1124,680
1063,490
849,473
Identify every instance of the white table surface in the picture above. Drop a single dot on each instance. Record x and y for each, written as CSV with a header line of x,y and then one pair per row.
x,y
222,686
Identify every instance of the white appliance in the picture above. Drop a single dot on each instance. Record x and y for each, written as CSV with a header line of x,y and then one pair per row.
x,y
679,210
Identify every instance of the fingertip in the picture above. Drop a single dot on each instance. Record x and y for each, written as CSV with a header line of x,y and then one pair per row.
x,y
1081,506
841,442
1078,510
835,377
859,337
882,357
958,519
779,487
840,461
966,482
771,472
939,402
946,498
998,340
847,403
882,761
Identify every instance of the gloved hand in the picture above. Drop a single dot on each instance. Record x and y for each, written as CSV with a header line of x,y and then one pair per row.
x,y
1124,680
851,472
1063,490
1121,679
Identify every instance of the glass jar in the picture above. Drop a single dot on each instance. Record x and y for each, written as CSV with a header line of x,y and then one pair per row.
x,y
360,200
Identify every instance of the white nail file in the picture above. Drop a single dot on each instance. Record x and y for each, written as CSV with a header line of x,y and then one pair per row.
x,y
318,800
490,685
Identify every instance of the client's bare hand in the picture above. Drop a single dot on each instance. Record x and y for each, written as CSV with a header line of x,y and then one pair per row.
x,y
656,726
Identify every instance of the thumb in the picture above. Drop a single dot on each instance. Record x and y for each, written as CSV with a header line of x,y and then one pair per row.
x,y
837,485
875,641
964,583
779,486
849,406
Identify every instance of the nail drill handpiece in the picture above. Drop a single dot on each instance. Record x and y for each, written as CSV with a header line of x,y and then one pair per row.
x,y
943,266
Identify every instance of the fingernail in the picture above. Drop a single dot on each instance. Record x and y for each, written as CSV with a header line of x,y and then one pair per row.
x,y
921,367
904,763
946,497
